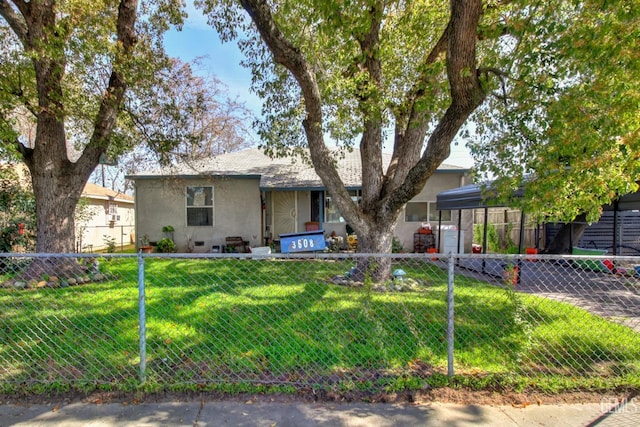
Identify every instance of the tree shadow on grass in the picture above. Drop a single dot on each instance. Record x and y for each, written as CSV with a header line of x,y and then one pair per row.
x,y
277,322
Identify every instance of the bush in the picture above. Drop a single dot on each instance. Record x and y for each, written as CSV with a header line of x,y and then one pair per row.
x,y
396,245
493,240
110,243
166,245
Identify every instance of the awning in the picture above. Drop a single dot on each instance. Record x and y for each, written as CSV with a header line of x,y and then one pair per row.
x,y
628,202
473,197
469,197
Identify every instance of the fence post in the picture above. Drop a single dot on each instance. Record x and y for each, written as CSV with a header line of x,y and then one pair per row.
x,y
450,328
142,319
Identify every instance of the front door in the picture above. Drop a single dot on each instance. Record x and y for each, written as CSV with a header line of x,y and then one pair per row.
x,y
285,212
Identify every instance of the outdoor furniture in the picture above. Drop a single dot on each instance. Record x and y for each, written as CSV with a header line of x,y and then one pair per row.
x,y
236,244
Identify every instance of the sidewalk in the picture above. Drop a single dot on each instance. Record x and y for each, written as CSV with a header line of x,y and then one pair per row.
x,y
276,414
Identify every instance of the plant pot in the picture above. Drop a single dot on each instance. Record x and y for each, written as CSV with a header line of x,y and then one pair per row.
x,y
146,249
531,251
510,275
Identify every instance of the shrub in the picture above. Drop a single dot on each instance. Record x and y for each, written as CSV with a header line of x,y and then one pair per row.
x,y
166,245
396,245
110,243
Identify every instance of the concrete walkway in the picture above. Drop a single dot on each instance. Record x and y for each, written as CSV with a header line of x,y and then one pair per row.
x,y
611,296
278,414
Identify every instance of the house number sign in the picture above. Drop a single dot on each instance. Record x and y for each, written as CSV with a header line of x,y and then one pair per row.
x,y
302,242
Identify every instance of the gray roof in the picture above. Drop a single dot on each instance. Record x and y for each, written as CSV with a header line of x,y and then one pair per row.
x,y
277,173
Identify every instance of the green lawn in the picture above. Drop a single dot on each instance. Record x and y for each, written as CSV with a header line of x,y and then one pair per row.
x,y
227,324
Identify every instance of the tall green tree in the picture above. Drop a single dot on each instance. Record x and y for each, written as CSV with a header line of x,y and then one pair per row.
x,y
410,74
351,71
566,118
66,68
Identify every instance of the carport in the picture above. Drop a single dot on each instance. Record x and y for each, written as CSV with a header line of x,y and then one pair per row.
x,y
476,196
473,196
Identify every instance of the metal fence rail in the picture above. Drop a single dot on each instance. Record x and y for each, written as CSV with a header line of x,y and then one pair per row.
x,y
310,321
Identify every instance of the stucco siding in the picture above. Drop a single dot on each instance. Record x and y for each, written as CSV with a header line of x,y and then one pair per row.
x,y
236,211
437,183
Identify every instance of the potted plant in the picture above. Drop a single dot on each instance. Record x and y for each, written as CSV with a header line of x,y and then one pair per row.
x,y
530,252
145,247
510,274
168,231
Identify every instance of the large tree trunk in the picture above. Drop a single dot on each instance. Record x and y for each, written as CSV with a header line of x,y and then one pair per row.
x,y
376,240
385,195
573,231
56,199
57,186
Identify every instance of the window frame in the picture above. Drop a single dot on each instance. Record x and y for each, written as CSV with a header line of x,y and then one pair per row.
x,y
431,215
199,206
356,196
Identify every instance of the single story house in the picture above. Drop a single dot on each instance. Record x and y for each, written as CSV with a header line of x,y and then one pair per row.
x,y
106,214
109,215
250,195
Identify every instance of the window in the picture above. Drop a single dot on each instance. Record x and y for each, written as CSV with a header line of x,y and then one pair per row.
x,y
199,206
434,214
416,212
424,212
331,212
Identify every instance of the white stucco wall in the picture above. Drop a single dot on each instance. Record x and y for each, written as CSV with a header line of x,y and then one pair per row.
x,y
99,226
236,211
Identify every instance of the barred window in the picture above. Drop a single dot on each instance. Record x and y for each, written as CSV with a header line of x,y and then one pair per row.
x,y
199,206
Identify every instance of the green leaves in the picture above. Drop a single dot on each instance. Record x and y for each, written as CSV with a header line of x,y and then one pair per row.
x,y
569,124
337,39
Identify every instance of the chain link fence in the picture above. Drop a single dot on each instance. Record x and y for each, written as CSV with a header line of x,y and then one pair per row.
x,y
317,321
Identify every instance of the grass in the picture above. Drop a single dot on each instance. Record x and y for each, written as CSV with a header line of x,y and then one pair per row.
x,y
237,325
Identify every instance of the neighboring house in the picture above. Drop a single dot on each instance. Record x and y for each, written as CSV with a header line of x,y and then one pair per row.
x,y
106,213
250,195
111,214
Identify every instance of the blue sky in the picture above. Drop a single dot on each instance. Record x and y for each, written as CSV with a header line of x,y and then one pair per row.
x,y
198,40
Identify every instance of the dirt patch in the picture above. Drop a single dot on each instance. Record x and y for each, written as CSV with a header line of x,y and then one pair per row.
x,y
443,395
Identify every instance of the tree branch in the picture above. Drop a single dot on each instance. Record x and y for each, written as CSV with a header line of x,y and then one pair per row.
x,y
371,141
466,95
15,21
114,94
412,125
293,60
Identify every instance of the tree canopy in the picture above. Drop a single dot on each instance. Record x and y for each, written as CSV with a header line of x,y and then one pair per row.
x,y
81,81
565,118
